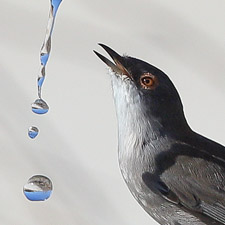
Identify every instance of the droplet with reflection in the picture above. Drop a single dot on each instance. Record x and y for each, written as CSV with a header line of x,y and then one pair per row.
x,y
38,188
40,106
33,132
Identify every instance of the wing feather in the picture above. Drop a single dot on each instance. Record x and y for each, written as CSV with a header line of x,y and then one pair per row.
x,y
194,178
216,211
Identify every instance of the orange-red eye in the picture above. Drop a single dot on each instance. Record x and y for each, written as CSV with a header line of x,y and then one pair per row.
x,y
147,81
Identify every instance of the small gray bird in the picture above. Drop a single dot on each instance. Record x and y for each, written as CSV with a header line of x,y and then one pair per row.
x,y
176,175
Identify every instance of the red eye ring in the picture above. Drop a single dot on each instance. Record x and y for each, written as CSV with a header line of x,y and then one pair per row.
x,y
148,81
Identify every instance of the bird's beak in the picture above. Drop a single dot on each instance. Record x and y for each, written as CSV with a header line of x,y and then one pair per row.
x,y
117,66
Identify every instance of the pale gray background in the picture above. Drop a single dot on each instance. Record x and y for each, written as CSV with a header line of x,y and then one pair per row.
x,y
77,144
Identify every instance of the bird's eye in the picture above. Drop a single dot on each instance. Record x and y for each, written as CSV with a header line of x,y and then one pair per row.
x,y
148,81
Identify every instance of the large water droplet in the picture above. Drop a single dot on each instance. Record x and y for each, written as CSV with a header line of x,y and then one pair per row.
x,y
33,132
38,188
40,106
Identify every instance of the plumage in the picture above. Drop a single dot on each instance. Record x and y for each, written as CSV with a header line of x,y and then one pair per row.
x,y
176,175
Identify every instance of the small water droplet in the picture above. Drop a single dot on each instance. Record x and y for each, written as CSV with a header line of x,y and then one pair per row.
x,y
38,188
33,132
40,106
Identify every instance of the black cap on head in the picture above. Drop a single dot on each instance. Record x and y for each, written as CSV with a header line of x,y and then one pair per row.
x,y
159,96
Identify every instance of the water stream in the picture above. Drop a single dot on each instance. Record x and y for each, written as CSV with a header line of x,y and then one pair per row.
x,y
39,187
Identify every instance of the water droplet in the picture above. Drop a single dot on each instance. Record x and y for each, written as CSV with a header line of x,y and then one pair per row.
x,y
38,188
40,106
33,132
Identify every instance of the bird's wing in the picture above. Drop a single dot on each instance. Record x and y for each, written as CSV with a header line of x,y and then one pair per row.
x,y
192,178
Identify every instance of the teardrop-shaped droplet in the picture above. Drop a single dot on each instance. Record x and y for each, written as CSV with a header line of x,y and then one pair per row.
x,y
38,188
40,106
33,132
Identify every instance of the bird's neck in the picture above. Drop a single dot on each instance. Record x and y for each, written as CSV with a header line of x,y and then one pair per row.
x,y
134,131
141,137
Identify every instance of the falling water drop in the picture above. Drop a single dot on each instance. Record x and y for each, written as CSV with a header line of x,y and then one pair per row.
x,y
40,106
33,132
38,188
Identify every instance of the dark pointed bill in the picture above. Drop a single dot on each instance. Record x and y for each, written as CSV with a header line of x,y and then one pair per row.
x,y
117,66
108,62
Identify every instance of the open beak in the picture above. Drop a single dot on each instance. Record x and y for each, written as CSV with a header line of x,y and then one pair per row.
x,y
117,66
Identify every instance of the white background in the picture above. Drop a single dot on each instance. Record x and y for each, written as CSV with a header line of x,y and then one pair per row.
x,y
77,144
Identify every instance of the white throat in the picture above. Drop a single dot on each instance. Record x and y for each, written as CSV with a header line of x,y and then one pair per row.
x,y
132,125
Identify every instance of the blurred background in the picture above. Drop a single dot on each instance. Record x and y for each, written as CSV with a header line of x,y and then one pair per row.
x,y
77,143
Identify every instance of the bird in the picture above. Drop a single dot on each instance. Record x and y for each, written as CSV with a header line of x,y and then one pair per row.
x,y
174,173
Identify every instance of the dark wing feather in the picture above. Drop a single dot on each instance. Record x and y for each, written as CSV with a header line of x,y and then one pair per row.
x,y
216,211
192,178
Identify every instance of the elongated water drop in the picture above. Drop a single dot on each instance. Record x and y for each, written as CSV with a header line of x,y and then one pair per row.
x,y
33,132
40,106
38,188
46,46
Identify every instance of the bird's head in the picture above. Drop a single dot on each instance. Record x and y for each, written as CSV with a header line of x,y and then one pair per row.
x,y
142,90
